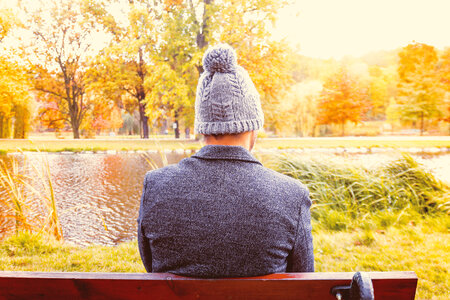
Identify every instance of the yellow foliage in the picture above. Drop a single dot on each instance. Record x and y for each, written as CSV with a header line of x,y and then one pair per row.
x,y
15,100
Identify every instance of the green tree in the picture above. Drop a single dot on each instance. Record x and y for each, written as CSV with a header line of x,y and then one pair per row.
x,y
419,90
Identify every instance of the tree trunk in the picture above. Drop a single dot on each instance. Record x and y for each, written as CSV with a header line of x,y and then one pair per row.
x,y
201,34
343,129
75,130
1,126
187,132
421,123
176,126
143,121
141,96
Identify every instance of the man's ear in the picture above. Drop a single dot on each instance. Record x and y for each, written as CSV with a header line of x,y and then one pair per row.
x,y
253,136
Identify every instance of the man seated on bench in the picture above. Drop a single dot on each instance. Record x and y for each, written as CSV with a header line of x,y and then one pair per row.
x,y
220,213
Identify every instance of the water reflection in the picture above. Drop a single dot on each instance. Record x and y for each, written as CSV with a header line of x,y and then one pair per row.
x,y
98,194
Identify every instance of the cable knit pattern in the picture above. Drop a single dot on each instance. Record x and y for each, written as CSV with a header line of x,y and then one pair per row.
x,y
227,101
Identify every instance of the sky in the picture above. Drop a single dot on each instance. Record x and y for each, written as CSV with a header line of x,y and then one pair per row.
x,y
336,28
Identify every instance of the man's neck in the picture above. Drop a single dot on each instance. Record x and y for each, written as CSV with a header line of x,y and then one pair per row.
x,y
242,139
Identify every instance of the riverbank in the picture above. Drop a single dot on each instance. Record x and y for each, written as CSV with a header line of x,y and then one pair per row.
x,y
117,144
420,244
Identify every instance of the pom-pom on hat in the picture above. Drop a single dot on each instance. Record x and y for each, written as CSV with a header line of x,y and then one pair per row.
x,y
227,101
221,58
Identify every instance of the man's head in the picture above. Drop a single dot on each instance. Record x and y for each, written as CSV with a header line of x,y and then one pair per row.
x,y
227,106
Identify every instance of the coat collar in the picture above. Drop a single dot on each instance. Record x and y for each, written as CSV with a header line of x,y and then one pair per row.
x,y
225,152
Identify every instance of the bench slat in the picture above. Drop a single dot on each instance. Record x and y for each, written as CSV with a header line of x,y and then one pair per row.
x,y
37,285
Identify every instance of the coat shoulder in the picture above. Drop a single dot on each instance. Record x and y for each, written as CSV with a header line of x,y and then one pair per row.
x,y
282,178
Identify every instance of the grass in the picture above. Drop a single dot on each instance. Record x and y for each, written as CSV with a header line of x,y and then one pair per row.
x,y
355,142
342,192
55,145
123,144
39,252
422,246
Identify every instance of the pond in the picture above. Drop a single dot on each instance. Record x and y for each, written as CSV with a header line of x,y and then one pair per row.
x,y
98,194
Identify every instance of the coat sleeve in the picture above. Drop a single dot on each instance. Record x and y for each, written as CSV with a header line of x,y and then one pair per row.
x,y
143,242
301,258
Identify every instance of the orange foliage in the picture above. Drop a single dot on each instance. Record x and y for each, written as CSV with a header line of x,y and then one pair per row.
x,y
342,100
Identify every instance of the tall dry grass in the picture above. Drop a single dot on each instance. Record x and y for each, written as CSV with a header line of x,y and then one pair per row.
x,y
341,191
30,200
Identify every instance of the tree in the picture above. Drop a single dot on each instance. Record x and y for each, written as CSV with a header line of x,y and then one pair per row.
x,y
7,22
61,48
419,92
342,100
173,84
444,75
15,100
155,57
382,88
305,106
104,116
124,66
244,25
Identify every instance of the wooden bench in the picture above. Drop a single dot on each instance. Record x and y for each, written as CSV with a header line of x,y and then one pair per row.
x,y
36,285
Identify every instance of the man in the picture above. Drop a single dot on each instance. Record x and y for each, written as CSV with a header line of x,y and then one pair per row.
x,y
220,213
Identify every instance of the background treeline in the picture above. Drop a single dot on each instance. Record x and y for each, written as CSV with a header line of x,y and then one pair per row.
x,y
131,67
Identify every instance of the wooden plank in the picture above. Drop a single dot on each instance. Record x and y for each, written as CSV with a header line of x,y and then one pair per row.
x,y
35,285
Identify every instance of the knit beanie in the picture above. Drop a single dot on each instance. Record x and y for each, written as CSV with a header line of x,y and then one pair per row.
x,y
227,101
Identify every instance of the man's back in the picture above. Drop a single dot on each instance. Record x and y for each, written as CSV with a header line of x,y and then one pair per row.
x,y
220,213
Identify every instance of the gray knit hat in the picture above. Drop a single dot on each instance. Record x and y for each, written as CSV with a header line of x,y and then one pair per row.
x,y
227,100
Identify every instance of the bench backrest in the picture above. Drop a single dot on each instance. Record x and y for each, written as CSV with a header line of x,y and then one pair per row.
x,y
36,285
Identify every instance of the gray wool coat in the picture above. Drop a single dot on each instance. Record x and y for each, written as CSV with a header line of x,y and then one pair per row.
x,y
220,213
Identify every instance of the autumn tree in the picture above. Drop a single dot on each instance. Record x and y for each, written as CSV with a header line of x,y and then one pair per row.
x,y
303,103
419,90
124,66
342,100
381,88
59,63
105,115
178,62
444,76
155,56
243,25
15,99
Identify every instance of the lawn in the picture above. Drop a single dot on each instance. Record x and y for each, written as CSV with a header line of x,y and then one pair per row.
x,y
119,144
421,246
